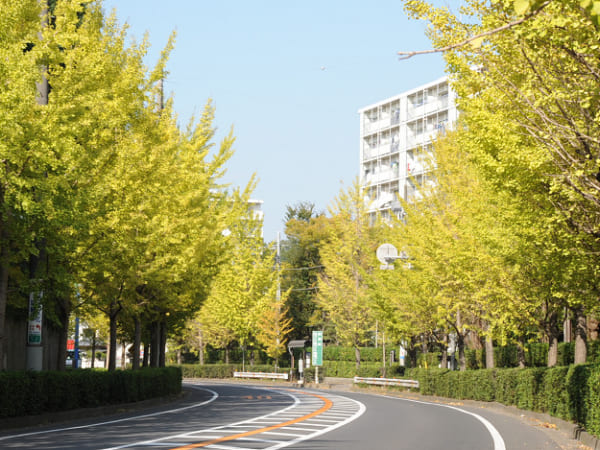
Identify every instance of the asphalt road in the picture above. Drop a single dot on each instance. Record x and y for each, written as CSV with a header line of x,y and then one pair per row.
x,y
237,416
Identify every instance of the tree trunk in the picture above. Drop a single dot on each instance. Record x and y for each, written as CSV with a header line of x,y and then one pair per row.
x,y
552,333
93,362
553,351
462,361
154,343
592,323
137,341
412,352
146,358
64,313
444,361
112,349
227,354
580,336
521,352
200,348
489,353
567,328
383,374
3,293
357,356
162,344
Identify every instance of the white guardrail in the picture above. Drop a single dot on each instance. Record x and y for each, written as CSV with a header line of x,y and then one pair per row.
x,y
388,382
273,375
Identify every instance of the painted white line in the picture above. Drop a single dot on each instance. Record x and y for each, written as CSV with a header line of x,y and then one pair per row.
x,y
496,436
278,433
226,447
208,430
313,430
298,429
110,422
356,415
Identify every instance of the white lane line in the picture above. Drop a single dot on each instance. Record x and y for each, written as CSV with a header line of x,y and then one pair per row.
x,y
279,433
220,429
356,415
110,422
298,429
226,447
496,436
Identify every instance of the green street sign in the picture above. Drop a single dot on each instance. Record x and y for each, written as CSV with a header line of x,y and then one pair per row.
x,y
317,348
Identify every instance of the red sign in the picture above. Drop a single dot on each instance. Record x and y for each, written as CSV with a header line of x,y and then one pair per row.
x,y
70,344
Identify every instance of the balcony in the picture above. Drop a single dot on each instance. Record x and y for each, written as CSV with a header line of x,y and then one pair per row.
x,y
432,106
381,176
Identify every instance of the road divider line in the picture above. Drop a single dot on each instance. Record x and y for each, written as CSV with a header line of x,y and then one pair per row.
x,y
326,406
496,436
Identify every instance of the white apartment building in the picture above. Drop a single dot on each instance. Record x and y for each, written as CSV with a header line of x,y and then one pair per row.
x,y
395,134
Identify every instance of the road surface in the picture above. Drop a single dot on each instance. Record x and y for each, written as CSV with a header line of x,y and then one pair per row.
x,y
236,416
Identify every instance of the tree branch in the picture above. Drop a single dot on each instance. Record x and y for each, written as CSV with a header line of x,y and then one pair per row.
x,y
407,55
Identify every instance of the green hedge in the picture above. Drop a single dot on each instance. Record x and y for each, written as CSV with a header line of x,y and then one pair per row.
x,y
223,370
28,393
367,354
571,393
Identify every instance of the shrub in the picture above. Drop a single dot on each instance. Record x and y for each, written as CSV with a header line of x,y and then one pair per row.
x,y
536,355
528,387
506,386
553,397
480,384
224,370
578,392
592,423
309,374
340,353
429,360
26,393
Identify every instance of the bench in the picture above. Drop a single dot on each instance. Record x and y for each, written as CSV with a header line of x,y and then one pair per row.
x,y
388,382
271,375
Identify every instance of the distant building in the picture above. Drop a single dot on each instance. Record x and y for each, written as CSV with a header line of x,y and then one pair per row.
x,y
394,133
256,212
255,207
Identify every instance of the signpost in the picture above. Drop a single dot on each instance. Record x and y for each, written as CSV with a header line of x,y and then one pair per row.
x,y
317,352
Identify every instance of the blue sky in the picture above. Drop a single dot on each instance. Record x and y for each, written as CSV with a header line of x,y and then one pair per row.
x,y
289,77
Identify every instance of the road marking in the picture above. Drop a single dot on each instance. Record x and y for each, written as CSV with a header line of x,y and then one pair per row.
x,y
327,405
496,436
110,422
352,408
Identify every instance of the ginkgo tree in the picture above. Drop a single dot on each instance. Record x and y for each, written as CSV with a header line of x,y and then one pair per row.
x,y
244,292
527,70
348,256
125,205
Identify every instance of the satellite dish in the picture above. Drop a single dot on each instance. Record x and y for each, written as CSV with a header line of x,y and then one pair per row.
x,y
387,253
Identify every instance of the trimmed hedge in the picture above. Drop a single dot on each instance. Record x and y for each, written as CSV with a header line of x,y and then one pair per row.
x,y
224,370
29,393
571,393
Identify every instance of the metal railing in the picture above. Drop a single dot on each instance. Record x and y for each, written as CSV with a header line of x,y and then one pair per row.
x,y
388,382
272,375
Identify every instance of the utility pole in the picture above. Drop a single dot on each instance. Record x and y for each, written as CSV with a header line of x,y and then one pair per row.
x,y
35,349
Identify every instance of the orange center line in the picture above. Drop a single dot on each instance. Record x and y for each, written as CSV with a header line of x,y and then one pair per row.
x,y
328,404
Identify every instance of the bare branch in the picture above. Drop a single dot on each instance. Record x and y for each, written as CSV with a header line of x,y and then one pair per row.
x,y
407,55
